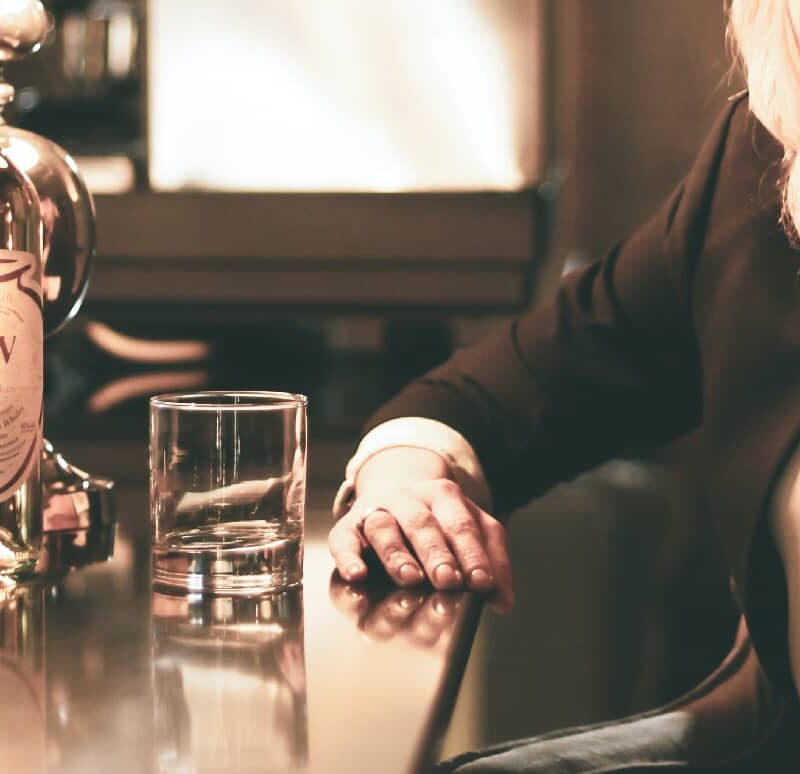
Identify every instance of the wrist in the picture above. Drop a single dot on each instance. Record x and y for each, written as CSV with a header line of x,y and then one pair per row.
x,y
399,465
457,459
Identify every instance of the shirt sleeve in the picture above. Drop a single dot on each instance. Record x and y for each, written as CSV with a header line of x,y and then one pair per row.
x,y
611,360
419,433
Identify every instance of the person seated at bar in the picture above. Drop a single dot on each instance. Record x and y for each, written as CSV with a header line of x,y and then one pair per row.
x,y
692,321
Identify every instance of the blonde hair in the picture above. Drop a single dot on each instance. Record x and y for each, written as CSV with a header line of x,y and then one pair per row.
x,y
765,35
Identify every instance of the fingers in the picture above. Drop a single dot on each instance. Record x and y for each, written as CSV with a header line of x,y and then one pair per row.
x,y
346,547
465,537
426,536
383,533
434,531
494,535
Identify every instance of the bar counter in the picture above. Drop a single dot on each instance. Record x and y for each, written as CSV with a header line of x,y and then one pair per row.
x,y
622,606
101,673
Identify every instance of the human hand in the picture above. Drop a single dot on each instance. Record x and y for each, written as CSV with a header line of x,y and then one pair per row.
x,y
425,527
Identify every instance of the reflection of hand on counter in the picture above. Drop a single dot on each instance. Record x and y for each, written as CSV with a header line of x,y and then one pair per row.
x,y
417,616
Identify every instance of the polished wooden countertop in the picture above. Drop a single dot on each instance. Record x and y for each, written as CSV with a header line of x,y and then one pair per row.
x,y
622,605
100,673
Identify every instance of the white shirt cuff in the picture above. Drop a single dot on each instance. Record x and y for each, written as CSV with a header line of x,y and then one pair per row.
x,y
419,433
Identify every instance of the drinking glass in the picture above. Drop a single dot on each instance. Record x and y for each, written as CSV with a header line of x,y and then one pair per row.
x,y
227,490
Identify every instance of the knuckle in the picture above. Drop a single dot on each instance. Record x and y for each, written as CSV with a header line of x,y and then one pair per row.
x,y
433,552
472,559
448,488
420,520
393,553
378,520
336,538
464,528
495,529
333,543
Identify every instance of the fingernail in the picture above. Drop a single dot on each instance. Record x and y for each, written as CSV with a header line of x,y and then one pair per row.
x,y
353,571
480,579
445,575
409,573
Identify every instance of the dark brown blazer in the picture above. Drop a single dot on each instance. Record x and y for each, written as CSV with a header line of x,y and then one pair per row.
x,y
693,320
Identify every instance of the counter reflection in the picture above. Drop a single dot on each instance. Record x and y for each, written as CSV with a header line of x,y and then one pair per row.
x,y
22,679
229,683
419,617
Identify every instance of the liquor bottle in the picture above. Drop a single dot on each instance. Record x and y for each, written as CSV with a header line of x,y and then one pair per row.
x,y
65,202
21,326
78,515
21,370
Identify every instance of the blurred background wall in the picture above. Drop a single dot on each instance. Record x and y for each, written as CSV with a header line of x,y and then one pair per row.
x,y
637,83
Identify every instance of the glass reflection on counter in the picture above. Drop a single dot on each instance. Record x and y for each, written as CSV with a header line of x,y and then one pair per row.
x,y
229,683
23,745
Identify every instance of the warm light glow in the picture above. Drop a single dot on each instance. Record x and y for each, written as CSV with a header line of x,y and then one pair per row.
x,y
23,154
121,45
14,6
356,95
145,350
138,385
106,174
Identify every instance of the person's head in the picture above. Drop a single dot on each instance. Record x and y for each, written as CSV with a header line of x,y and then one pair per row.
x,y
766,37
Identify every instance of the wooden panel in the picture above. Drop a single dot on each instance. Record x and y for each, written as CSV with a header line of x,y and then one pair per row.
x,y
338,286
464,227
343,251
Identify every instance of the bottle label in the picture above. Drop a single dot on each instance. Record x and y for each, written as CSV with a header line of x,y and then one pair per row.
x,y
21,368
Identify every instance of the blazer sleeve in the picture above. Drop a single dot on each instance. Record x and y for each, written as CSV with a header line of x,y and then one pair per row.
x,y
610,360
694,318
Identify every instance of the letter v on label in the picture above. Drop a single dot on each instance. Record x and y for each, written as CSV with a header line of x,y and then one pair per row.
x,y
5,349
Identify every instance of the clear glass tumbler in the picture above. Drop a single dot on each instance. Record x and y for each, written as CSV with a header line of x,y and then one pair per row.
x,y
227,490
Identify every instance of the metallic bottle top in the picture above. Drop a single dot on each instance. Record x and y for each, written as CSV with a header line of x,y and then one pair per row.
x,y
23,25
